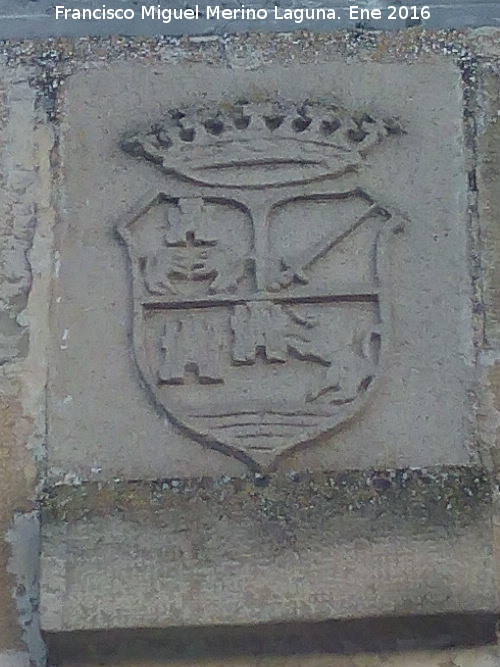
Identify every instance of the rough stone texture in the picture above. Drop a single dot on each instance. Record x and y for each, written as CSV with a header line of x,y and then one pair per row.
x,y
101,418
14,659
489,200
209,553
26,221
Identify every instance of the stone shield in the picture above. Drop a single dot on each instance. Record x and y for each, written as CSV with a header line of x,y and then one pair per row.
x,y
261,307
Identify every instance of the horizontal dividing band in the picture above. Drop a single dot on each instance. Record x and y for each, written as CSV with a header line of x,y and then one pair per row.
x,y
355,293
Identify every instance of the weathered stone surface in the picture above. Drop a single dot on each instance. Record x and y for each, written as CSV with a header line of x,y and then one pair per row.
x,y
24,259
489,200
374,323
210,552
14,659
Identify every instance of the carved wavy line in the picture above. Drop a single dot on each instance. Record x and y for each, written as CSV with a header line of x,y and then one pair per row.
x,y
242,424
260,413
257,448
262,435
219,166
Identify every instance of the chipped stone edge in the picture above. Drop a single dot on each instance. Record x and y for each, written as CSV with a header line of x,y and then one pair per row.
x,y
24,564
30,373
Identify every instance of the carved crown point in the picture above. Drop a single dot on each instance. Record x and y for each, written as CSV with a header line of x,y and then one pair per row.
x,y
209,145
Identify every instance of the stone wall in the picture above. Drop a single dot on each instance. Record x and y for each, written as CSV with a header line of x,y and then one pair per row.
x,y
149,523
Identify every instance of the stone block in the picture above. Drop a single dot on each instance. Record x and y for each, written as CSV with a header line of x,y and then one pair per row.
x,y
280,283
314,547
262,367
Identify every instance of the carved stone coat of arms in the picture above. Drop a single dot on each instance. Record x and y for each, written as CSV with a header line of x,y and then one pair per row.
x,y
261,287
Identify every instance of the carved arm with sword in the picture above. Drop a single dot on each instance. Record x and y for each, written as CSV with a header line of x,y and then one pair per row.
x,y
293,267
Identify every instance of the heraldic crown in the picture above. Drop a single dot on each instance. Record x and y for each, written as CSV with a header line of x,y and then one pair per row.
x,y
215,145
